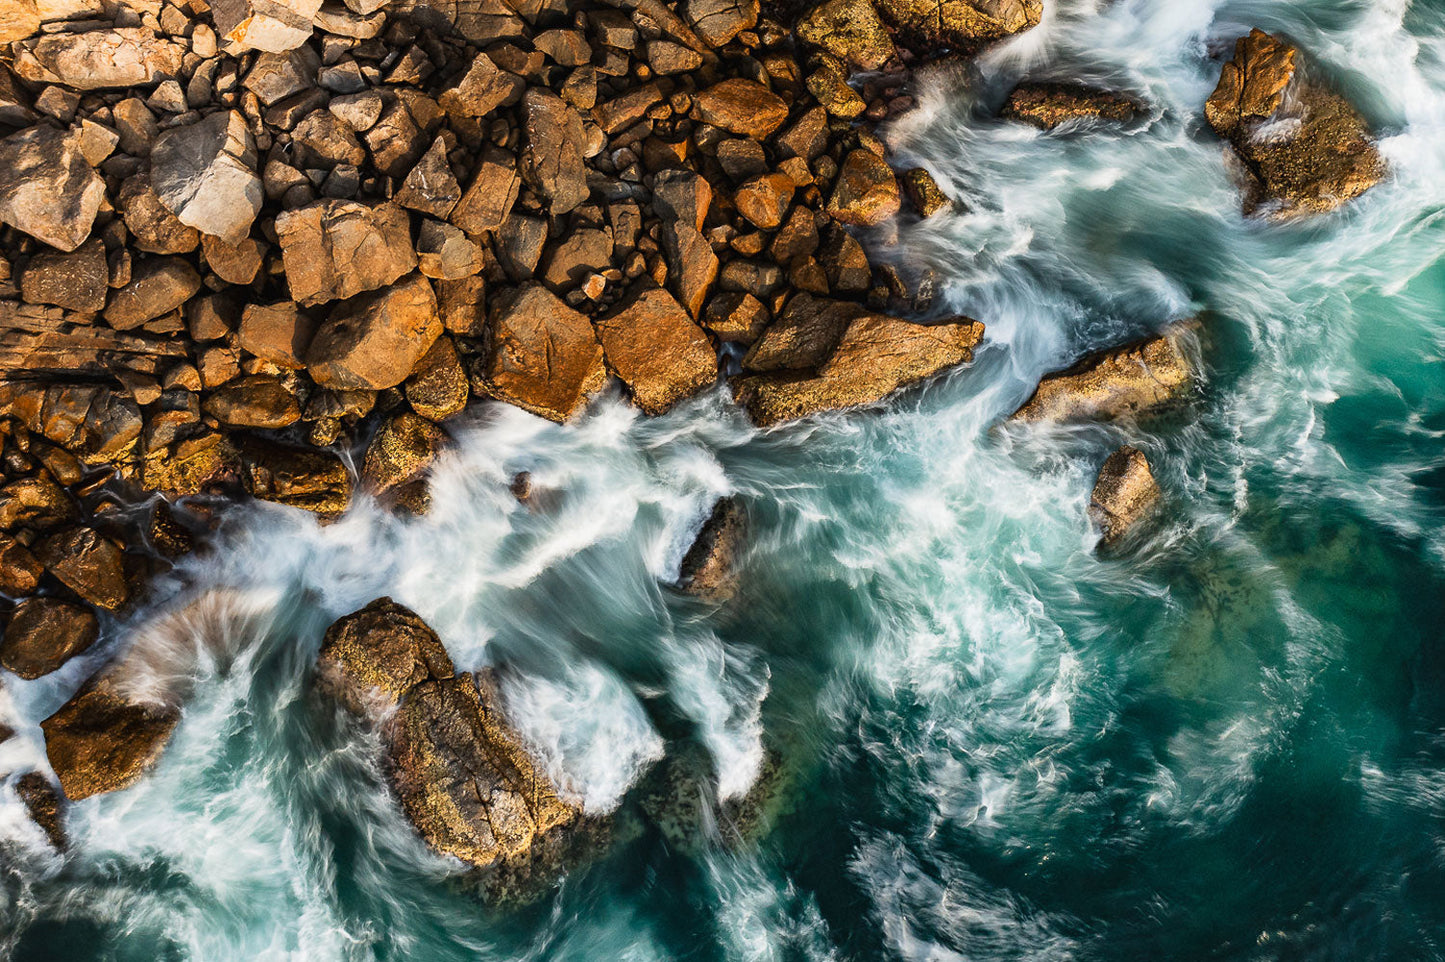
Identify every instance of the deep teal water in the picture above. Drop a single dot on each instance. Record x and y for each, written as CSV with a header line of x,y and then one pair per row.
x,y
1226,743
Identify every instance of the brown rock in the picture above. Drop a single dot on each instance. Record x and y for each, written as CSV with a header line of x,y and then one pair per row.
x,y
866,193
491,194
693,267
541,355
719,21
829,86
36,502
103,740
552,161
305,478
47,187
431,187
99,59
666,57
233,263
274,26
1124,495
205,174
444,253
279,333
403,448
480,90
741,106
78,281
45,633
338,248
1047,105
158,285
153,227
658,352
736,316
88,564
20,571
627,108
764,200
576,257
322,140
18,20
258,401
438,387
924,193
371,658
1303,148
965,24
95,423
1128,381
850,30
43,805
710,568
682,195
373,341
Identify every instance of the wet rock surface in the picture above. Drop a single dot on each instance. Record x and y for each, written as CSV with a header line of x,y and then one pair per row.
x,y
104,739
1048,105
710,569
1124,495
1132,380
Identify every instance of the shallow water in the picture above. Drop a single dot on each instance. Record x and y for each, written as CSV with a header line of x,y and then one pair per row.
x,y
1226,743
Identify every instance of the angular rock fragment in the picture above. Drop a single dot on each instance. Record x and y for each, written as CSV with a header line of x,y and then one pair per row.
x,y
279,333
158,286
479,91
47,187
444,253
322,140
431,187
274,26
1128,381
540,354
1047,105
95,423
438,387
965,24
99,59
337,248
742,107
924,193
1303,148
552,161
258,401
764,199
43,805
490,196
658,352
719,21
104,739
373,341
205,174
153,227
850,30
401,451
866,193
1125,494
233,263
87,563
77,281
315,481
45,633
709,570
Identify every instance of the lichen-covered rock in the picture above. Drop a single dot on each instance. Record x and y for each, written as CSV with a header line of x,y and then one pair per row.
x,y
709,570
1303,148
99,59
1128,381
438,386
1124,494
205,173
402,449
850,30
963,24
45,633
315,481
1047,105
338,248
866,193
657,350
374,340
924,193
371,658
104,739
540,354
47,187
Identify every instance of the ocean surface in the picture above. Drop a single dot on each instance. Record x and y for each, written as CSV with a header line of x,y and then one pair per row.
x,y
979,739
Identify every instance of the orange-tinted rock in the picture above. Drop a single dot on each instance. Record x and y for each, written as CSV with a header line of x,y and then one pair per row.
x,y
541,355
657,351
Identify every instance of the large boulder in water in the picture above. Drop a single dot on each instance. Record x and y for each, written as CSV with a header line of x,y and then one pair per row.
x,y
1304,149
1125,494
103,739
462,774
710,568
1128,381
824,355
1048,105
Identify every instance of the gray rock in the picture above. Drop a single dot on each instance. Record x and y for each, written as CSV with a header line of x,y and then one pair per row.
x,y
205,173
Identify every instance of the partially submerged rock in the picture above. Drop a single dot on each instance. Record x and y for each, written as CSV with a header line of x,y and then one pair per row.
x,y
1125,494
43,805
104,739
1127,381
401,451
657,350
1303,148
541,355
462,774
45,633
709,570
1047,105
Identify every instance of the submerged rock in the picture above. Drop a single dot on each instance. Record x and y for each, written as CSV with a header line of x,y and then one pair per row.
x,y
709,570
43,805
1125,494
103,740
1047,105
1304,149
1127,381
461,772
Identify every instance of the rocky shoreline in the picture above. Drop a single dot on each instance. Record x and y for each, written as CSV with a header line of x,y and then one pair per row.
x,y
248,244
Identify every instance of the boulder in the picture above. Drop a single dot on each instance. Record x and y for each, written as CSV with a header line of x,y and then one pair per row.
x,y
402,450
924,193
657,350
43,806
540,354
18,20
338,248
104,739
741,106
866,193
45,633
76,281
491,194
158,285
20,571
850,30
719,21
154,229
99,59
87,563
1125,494
963,24
374,340
823,355
1303,148
279,333
462,774
552,155
1047,105
274,26
205,174
438,387
47,187
315,481
709,570
431,187
36,502
1132,380
258,401
764,199
97,424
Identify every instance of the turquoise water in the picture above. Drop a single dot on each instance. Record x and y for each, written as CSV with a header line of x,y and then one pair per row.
x,y
1227,743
